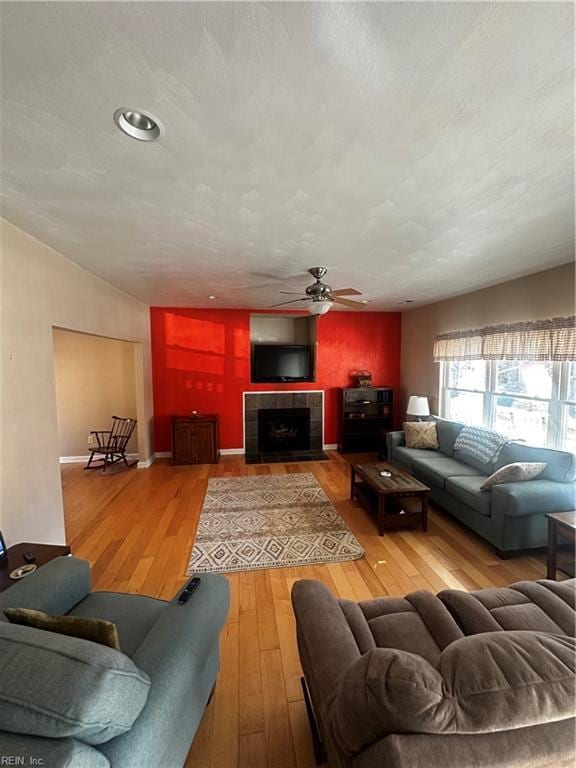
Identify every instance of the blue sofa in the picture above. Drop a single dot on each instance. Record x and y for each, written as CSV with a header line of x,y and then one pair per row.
x,y
71,702
512,516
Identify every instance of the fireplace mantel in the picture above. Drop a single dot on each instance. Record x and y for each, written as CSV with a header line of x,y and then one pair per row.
x,y
309,398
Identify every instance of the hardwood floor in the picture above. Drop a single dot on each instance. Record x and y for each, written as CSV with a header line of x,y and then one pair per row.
x,y
136,528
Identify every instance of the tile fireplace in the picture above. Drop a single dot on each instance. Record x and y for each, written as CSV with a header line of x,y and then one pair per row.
x,y
283,421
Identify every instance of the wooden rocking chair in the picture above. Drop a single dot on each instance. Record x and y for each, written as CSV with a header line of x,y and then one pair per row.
x,y
111,444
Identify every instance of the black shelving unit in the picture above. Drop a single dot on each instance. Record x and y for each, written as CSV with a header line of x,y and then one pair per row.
x,y
367,412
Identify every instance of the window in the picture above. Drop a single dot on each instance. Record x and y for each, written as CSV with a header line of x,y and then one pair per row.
x,y
466,383
567,415
528,400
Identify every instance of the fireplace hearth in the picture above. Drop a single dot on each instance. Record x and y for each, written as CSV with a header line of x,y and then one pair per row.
x,y
283,429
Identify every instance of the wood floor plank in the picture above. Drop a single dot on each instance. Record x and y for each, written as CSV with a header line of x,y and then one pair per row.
x,y
137,528
251,717
267,629
253,750
225,741
279,746
301,737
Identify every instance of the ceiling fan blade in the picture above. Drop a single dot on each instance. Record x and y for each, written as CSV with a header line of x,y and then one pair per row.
x,y
292,301
348,303
292,293
346,292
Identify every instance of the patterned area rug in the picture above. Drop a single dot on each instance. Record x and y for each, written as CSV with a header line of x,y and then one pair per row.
x,y
270,521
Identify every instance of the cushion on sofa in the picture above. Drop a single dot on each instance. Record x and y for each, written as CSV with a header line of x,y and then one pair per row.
x,y
481,443
406,456
479,447
51,753
510,680
518,472
468,490
447,431
436,470
561,464
484,683
58,687
543,606
421,434
480,466
133,615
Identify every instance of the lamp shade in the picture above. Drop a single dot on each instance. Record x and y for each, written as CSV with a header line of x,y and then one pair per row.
x,y
418,406
320,307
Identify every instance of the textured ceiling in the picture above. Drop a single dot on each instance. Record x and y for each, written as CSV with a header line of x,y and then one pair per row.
x,y
420,150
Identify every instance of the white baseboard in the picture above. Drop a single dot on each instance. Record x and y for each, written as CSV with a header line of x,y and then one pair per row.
x,y
166,455
84,459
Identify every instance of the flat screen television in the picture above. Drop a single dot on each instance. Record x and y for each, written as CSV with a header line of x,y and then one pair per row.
x,y
281,362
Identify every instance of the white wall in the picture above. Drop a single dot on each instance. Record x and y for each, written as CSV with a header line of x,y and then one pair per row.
x,y
41,289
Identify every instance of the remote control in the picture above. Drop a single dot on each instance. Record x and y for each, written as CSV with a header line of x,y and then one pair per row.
x,y
188,589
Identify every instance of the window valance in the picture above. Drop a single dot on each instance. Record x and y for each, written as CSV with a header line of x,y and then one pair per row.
x,y
553,339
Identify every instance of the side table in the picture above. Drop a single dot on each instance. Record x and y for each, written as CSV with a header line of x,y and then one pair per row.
x,y
14,559
561,538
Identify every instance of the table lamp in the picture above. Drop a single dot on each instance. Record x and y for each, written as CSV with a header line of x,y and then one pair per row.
x,y
418,406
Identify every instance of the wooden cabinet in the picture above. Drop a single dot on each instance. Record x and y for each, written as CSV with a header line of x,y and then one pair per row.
x,y
195,439
367,413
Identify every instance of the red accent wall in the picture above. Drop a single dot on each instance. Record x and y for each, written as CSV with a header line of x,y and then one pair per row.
x,y
201,361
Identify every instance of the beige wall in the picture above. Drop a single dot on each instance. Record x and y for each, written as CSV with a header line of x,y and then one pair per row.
x,y
41,289
538,296
95,379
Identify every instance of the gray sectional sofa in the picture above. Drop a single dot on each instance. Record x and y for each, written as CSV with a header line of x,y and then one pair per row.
x,y
512,516
454,680
72,703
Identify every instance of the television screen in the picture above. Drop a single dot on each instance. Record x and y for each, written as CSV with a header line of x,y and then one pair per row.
x,y
275,362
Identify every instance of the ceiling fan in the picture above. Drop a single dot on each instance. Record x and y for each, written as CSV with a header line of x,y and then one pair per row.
x,y
321,297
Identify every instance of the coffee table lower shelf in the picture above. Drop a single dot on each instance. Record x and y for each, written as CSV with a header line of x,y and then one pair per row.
x,y
400,509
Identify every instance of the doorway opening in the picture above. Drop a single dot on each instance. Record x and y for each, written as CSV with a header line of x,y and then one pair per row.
x,y
95,379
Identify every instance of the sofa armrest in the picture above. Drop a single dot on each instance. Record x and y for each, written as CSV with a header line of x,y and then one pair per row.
x,y
179,654
21,749
533,497
325,641
394,440
190,629
54,588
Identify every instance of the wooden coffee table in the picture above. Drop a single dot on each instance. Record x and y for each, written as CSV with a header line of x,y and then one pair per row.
x,y
390,497
561,540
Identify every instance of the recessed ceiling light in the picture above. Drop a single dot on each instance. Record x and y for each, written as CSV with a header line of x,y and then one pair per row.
x,y
212,297
137,124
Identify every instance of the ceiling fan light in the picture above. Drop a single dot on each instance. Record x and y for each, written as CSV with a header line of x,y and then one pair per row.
x,y
320,307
